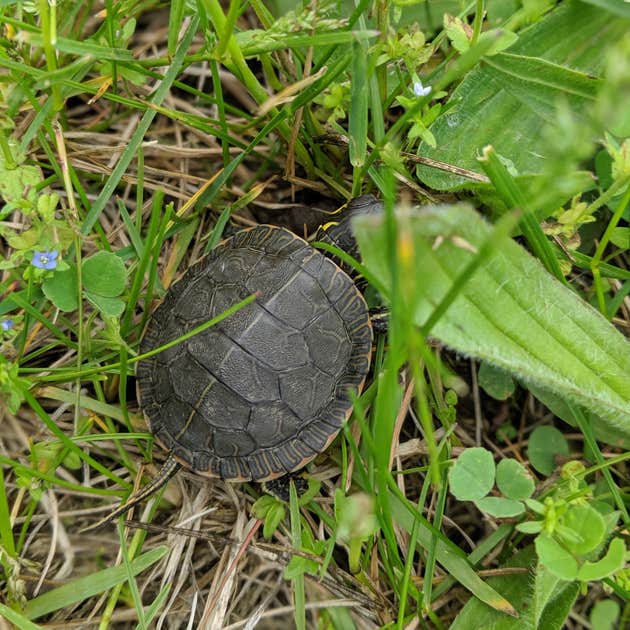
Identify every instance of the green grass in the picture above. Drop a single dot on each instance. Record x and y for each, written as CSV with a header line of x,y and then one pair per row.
x,y
133,136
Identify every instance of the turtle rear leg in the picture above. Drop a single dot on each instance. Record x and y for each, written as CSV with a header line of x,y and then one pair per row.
x,y
168,470
279,487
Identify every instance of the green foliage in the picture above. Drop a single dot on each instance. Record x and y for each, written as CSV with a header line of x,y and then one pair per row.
x,y
79,589
571,534
486,297
495,382
20,184
318,105
573,530
472,475
272,511
604,615
356,522
513,480
544,445
11,384
542,602
104,278
516,94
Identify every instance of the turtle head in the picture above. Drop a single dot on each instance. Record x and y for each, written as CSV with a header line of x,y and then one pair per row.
x,y
338,231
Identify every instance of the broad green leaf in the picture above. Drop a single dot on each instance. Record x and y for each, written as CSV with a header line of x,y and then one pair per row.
x,y
495,382
604,614
614,6
620,237
552,600
457,566
471,477
515,93
62,289
530,527
589,524
20,182
104,273
111,307
562,409
500,507
274,517
78,590
457,31
299,565
613,561
514,480
509,312
555,558
519,588
543,446
272,511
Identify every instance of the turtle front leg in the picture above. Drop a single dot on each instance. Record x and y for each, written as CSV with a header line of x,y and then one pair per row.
x,y
379,316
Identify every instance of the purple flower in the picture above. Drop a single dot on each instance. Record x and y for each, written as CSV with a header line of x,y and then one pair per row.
x,y
6,324
45,260
420,90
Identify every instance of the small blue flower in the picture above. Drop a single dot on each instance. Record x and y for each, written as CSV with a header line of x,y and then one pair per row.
x,y
6,325
420,90
45,260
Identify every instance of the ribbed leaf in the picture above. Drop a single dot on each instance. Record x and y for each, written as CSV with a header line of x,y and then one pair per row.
x,y
509,312
516,93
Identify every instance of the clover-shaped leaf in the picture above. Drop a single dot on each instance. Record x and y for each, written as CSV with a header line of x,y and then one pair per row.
x,y
471,477
104,274
62,290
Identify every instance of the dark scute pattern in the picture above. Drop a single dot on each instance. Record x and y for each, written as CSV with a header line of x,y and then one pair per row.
x,y
336,413
209,349
162,389
297,302
271,462
273,422
235,443
259,466
172,416
188,381
229,363
249,378
273,343
197,297
288,456
264,391
224,409
335,284
318,435
234,468
328,343
270,274
306,390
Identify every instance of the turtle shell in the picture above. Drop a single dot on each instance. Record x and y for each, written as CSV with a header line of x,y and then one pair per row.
x,y
268,388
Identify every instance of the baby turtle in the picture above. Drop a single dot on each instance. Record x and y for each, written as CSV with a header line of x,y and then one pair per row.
x,y
260,394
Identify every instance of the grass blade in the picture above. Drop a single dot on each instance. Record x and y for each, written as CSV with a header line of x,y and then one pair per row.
x,y
78,590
